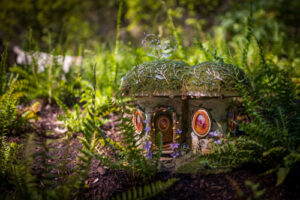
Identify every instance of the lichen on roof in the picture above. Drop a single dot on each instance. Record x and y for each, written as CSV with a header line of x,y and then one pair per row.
x,y
176,77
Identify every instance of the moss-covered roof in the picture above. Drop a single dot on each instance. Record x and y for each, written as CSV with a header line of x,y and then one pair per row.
x,y
169,77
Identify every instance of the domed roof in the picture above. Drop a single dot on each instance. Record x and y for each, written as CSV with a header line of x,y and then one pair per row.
x,y
177,78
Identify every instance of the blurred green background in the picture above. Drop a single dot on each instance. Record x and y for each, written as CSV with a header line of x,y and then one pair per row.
x,y
73,22
109,33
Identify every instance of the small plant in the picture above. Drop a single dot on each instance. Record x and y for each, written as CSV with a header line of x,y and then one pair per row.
x,y
254,187
255,190
127,153
13,119
8,159
160,48
234,153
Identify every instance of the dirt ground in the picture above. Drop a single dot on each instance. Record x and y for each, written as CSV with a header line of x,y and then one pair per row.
x,y
104,183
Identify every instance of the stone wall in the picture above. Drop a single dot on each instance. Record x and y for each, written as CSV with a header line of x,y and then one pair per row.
x,y
216,107
149,104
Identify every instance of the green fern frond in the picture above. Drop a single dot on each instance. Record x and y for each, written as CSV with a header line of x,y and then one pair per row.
x,y
146,191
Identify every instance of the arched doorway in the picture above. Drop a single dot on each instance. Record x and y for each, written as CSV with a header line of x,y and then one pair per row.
x,y
164,121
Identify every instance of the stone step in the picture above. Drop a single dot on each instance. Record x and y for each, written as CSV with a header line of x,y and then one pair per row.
x,y
166,152
166,146
166,159
167,149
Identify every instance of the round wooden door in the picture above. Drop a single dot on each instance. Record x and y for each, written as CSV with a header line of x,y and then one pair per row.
x,y
163,124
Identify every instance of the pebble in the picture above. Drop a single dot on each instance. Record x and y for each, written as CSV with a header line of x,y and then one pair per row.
x,y
101,170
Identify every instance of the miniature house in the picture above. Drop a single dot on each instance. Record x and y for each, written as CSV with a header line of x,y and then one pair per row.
x,y
185,103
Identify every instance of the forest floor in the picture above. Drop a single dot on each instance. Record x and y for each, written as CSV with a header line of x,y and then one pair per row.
x,y
104,183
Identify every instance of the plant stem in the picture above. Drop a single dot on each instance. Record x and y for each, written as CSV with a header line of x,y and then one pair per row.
x,y
115,64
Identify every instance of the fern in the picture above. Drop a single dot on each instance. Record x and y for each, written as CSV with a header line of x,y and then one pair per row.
x,y
127,154
89,139
16,173
73,119
87,125
10,121
24,182
235,153
146,191
270,137
8,155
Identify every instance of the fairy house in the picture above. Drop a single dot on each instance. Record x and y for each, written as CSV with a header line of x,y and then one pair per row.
x,y
185,103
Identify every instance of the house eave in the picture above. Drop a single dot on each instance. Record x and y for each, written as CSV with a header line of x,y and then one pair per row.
x,y
196,94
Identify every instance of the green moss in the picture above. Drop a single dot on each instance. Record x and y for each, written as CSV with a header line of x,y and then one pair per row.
x,y
174,77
